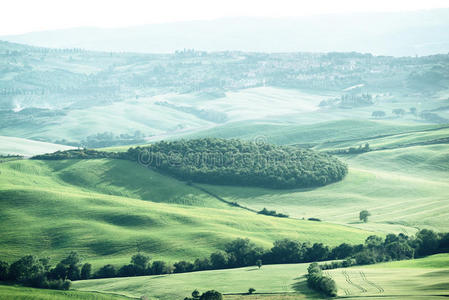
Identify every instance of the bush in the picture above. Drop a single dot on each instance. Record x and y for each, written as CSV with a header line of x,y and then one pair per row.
x,y
318,282
66,285
211,295
314,219
273,213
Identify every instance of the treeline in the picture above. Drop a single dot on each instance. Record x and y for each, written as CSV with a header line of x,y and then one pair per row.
x,y
242,253
348,101
352,150
37,272
317,281
10,157
237,162
106,139
273,213
78,154
32,271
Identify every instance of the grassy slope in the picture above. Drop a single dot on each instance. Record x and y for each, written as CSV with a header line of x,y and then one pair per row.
x,y
23,293
287,278
320,132
321,135
403,186
414,136
435,261
270,278
414,279
19,146
105,210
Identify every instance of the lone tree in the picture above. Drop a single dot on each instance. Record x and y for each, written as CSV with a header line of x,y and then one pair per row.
x,y
251,290
259,263
363,216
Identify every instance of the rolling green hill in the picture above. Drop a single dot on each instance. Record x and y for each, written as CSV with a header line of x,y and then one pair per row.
x,y
8,292
326,135
395,280
402,188
110,209
292,133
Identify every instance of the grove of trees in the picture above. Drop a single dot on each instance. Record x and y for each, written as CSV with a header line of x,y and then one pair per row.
x,y
237,162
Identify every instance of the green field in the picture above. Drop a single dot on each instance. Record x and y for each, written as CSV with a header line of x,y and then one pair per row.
x,y
395,280
435,261
110,209
415,279
24,147
287,278
403,189
17,292
329,133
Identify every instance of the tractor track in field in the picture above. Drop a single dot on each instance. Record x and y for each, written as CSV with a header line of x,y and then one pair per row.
x,y
346,291
349,281
378,287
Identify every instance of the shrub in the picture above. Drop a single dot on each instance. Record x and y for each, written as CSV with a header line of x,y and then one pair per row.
x,y
211,295
318,282
314,219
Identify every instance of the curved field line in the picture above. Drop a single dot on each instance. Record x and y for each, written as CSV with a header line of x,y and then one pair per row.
x,y
349,281
378,287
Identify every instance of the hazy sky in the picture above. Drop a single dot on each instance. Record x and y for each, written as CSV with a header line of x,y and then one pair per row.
x,y
20,16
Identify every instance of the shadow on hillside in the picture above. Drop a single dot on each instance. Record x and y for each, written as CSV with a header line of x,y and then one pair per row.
x,y
300,286
58,165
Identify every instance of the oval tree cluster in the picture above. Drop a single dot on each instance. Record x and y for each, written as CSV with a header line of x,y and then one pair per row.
x,y
238,162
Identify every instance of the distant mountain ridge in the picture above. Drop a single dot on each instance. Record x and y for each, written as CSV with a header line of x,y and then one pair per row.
x,y
412,33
